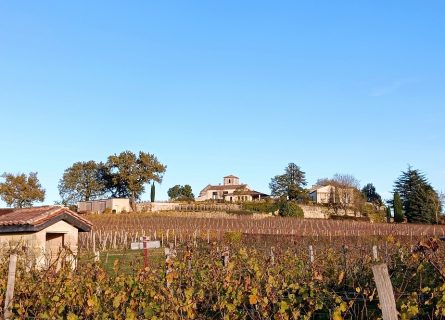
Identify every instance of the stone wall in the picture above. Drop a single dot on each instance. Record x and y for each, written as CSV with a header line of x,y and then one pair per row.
x,y
315,212
177,206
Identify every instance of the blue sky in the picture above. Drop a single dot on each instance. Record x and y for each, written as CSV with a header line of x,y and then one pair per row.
x,y
230,87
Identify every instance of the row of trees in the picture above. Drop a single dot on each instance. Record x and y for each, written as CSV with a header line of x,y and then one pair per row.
x,y
125,176
122,176
414,198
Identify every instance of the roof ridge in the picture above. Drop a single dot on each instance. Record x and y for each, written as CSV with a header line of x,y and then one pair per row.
x,y
54,209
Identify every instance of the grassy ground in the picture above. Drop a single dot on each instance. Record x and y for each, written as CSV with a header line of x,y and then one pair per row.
x,y
128,260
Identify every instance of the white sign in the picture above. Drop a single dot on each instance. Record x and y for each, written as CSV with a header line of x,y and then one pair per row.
x,y
149,245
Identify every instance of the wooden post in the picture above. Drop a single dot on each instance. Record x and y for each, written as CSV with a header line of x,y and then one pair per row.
x,y
311,254
10,286
272,256
225,257
96,256
375,253
94,242
385,291
144,244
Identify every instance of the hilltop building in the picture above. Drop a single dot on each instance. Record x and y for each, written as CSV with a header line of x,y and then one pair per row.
x,y
323,194
231,191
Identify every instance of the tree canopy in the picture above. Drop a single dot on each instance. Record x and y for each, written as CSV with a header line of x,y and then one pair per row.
x,y
181,193
420,202
122,176
82,182
371,195
290,184
21,190
127,174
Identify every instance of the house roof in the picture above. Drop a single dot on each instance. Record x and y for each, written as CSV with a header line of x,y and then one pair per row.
x,y
231,176
38,218
248,193
226,187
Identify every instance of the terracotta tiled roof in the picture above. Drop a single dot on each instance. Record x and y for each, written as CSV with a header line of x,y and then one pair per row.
x,y
231,176
226,187
37,218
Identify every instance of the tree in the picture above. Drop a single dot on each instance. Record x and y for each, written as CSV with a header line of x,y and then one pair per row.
x,y
181,193
371,195
398,208
152,192
344,193
334,199
82,182
290,209
420,202
388,214
290,184
126,174
21,190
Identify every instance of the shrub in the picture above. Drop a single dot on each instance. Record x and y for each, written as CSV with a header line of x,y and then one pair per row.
x,y
338,217
260,206
233,237
240,212
291,209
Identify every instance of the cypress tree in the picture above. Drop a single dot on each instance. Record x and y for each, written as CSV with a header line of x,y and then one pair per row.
x,y
388,214
152,192
398,208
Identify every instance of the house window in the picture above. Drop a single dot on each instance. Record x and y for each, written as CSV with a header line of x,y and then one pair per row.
x,y
229,180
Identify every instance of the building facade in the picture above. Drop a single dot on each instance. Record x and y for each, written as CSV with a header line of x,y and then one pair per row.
x,y
43,232
326,194
230,191
115,205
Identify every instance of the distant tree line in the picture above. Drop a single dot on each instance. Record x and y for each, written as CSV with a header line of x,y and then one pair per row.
x,y
123,175
415,200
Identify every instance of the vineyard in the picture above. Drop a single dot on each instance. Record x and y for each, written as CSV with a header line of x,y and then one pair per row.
x,y
118,231
239,268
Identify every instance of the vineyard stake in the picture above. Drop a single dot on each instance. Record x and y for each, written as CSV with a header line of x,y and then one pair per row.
x,y
145,247
272,256
311,254
10,286
385,291
374,253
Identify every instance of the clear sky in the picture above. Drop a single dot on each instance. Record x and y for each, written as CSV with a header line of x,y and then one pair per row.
x,y
225,87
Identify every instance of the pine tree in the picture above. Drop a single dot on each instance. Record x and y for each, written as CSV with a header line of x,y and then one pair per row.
x,y
152,192
419,199
398,208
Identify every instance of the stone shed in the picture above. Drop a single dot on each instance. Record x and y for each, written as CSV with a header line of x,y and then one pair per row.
x,y
115,205
42,232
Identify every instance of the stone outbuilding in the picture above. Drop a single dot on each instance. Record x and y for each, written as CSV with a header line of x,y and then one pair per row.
x,y
43,232
114,205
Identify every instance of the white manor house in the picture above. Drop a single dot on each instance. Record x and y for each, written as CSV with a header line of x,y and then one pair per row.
x,y
231,191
